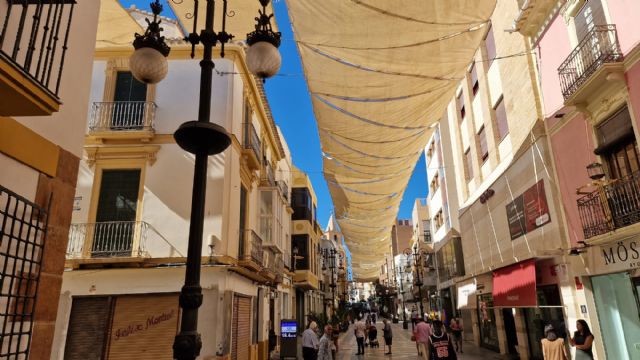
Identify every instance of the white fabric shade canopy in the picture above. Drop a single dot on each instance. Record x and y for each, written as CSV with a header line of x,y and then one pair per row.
x,y
380,73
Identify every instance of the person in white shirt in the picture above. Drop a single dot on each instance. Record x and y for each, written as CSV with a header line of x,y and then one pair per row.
x,y
326,344
310,342
360,329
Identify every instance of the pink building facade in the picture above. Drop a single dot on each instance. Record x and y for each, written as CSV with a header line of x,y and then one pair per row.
x,y
588,62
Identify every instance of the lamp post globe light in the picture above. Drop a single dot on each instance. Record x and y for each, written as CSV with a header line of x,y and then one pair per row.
x,y
200,137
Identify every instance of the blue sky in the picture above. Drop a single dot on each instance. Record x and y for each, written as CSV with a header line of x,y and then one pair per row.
x,y
291,106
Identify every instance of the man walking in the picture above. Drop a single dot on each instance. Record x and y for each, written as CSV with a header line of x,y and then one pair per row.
x,y
326,344
359,330
422,332
310,342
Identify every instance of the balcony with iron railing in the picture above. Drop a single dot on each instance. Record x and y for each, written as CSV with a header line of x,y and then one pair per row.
x,y
118,119
117,241
613,205
34,37
251,255
268,177
284,189
251,147
598,50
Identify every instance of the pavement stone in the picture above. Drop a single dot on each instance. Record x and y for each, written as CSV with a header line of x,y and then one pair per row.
x,y
403,348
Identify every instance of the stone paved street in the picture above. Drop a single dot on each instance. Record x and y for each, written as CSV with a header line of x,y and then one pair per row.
x,y
403,347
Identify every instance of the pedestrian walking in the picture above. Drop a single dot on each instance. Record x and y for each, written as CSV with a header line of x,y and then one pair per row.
x,y
360,331
582,340
421,334
553,346
440,346
325,346
387,334
310,342
414,316
456,331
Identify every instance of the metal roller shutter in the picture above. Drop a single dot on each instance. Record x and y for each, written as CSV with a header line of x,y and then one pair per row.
x,y
241,328
144,327
88,325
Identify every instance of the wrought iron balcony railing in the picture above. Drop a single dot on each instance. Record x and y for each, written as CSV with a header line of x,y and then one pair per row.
x,y
284,189
252,250
252,141
34,36
598,47
122,116
268,176
118,239
611,206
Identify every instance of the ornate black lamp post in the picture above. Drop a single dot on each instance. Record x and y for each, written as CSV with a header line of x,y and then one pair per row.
x,y
201,138
329,261
405,324
418,256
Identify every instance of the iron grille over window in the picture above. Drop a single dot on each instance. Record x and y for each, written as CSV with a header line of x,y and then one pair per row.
x,y
22,233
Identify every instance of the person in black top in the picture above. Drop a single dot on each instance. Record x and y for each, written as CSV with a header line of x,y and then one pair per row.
x,y
582,340
388,335
440,346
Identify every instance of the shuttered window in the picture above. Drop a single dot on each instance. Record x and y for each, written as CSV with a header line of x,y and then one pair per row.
x,y
473,74
88,325
591,15
241,328
482,140
501,119
460,102
490,46
469,164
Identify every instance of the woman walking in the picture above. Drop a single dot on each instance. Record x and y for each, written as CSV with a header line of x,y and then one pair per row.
x,y
582,340
387,334
553,346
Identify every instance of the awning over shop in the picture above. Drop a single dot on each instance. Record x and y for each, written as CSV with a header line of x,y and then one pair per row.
x,y
515,285
380,73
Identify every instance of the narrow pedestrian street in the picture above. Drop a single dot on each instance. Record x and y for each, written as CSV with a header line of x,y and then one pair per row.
x,y
403,347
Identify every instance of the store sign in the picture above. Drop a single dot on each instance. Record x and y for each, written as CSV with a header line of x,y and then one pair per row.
x,y
528,211
620,256
466,295
143,327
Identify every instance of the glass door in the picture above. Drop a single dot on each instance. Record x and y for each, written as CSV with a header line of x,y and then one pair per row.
x,y
618,315
487,323
116,214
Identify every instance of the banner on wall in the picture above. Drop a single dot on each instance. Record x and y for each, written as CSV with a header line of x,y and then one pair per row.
x,y
528,211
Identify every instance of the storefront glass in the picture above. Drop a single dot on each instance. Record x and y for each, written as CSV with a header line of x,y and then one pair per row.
x,y
548,312
487,323
617,308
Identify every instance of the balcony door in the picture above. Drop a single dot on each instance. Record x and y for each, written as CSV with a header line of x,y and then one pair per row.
x,y
116,214
618,146
129,103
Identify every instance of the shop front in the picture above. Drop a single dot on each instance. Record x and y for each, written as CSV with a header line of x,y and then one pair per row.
x,y
475,303
614,279
528,293
122,327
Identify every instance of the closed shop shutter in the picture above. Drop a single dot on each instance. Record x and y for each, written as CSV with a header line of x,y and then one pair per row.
x,y
241,327
144,327
88,325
